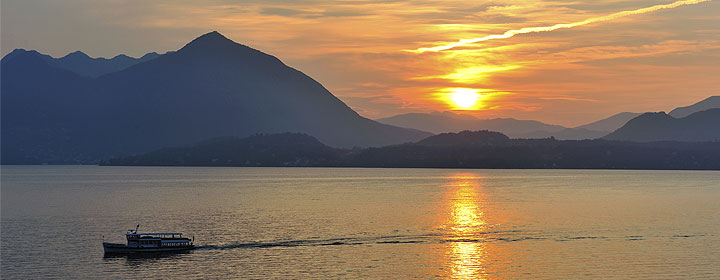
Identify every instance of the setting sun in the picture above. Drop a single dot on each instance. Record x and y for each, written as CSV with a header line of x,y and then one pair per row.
x,y
464,98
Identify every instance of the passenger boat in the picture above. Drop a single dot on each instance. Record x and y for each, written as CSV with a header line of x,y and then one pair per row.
x,y
150,243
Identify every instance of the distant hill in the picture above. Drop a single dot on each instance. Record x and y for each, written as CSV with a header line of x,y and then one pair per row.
x,y
285,149
211,87
610,123
467,149
708,103
449,122
697,127
440,123
466,138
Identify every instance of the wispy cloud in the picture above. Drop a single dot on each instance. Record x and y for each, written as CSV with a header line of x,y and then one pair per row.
x,y
525,30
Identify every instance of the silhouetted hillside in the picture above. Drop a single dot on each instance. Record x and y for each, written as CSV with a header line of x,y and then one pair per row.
x,y
697,127
466,138
480,149
708,103
211,87
285,149
547,154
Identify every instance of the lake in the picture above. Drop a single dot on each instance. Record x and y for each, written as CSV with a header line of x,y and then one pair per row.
x,y
297,223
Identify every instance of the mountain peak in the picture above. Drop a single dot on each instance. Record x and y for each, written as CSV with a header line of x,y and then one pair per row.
x,y
209,41
122,56
23,54
19,51
213,47
214,35
77,54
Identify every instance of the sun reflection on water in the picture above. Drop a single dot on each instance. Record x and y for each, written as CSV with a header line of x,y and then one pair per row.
x,y
465,225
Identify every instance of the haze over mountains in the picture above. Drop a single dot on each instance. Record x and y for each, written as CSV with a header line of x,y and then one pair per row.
x,y
450,122
514,128
211,87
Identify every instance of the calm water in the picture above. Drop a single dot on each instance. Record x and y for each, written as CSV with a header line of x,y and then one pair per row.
x,y
295,223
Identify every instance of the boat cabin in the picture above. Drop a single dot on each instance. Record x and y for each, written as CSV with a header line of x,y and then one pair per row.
x,y
157,239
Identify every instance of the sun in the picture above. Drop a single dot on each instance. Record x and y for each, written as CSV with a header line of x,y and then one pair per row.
x,y
464,98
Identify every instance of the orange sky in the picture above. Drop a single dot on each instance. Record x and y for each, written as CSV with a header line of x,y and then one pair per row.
x,y
362,51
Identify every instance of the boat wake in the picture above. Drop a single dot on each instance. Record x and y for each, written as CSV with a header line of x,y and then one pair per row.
x,y
435,238
394,239
384,239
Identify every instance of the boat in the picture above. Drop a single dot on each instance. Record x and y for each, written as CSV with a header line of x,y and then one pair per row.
x,y
154,242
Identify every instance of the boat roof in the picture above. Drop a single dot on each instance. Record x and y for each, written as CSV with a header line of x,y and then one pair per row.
x,y
155,233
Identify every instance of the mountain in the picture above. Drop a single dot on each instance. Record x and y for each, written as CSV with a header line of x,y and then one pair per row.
x,y
211,87
440,123
284,149
467,149
708,103
83,65
697,127
610,123
449,122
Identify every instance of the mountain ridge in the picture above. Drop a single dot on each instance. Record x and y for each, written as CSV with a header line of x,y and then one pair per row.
x,y
705,104
659,126
82,64
210,87
610,123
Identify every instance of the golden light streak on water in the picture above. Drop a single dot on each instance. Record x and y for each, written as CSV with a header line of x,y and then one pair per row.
x,y
511,33
464,224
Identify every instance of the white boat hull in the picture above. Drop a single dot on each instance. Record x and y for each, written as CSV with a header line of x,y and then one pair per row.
x,y
116,248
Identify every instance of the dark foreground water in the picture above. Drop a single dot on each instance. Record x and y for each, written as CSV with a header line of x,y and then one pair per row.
x,y
297,223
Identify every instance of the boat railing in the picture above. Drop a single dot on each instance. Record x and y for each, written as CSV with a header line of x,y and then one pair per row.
x,y
155,235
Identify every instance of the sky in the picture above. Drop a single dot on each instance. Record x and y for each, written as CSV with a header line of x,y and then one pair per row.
x,y
380,57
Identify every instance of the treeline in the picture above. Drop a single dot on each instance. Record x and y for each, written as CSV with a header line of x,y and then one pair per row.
x,y
478,149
